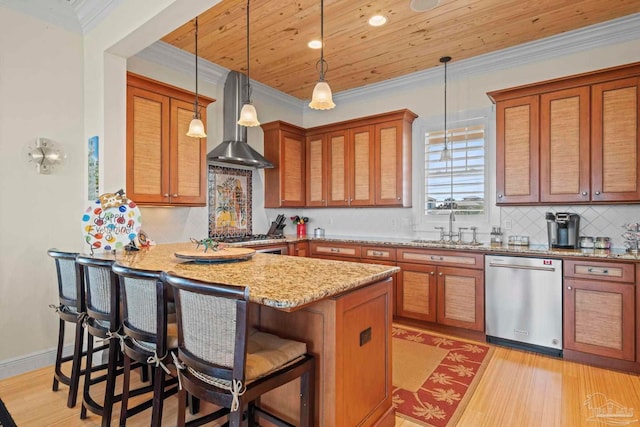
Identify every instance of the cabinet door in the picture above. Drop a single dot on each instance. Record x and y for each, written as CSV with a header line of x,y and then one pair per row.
x,y
389,167
361,166
337,169
315,174
299,249
188,158
599,318
564,146
292,165
416,292
147,146
517,150
461,297
615,141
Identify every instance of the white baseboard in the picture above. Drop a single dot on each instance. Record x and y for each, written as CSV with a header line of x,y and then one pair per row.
x,y
29,362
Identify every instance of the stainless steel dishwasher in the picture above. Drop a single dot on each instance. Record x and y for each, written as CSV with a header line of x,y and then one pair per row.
x,y
523,303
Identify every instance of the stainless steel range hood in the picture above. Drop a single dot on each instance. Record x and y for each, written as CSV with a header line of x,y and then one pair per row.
x,y
234,148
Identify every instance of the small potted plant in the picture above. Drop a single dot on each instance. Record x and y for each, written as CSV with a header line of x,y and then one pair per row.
x,y
301,224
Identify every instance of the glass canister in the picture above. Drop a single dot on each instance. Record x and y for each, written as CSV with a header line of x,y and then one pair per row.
x,y
602,243
586,242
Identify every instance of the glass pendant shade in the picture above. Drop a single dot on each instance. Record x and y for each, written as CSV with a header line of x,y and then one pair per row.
x,y
322,99
196,128
248,116
445,154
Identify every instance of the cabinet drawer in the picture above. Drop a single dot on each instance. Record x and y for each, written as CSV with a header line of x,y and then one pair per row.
x,y
611,271
441,258
382,253
335,249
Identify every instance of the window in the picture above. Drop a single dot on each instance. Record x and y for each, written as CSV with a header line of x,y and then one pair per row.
x,y
459,182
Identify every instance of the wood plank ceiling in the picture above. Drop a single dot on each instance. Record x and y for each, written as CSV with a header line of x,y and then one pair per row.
x,y
358,54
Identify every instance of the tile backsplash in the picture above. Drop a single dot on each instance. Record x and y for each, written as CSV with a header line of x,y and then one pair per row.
x,y
605,220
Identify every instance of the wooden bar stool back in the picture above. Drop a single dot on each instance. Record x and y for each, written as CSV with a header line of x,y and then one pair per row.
x,y
149,336
102,303
70,309
223,361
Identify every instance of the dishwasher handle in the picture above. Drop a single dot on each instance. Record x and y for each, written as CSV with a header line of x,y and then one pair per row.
x,y
522,267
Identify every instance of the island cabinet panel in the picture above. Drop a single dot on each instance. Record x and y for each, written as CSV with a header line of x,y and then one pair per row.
x,y
581,130
564,146
284,147
164,165
442,287
599,309
616,141
350,335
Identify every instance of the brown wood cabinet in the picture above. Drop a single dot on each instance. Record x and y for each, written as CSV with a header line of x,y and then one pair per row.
x,y
164,165
441,287
599,308
334,250
299,249
570,140
359,162
284,146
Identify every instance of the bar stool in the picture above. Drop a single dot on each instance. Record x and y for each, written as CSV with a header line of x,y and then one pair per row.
x,y
222,362
149,336
70,309
102,321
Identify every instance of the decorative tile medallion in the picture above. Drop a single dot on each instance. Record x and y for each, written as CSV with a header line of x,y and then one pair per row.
x,y
229,201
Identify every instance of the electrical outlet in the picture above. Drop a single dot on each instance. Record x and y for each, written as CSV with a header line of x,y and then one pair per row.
x,y
507,224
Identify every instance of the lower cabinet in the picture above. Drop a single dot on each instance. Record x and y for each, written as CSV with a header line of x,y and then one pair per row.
x,y
299,249
599,309
446,295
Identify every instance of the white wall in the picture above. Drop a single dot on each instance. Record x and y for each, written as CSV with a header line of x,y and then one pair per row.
x,y
40,96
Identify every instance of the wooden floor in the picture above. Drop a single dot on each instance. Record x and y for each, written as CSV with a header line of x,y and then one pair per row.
x,y
517,389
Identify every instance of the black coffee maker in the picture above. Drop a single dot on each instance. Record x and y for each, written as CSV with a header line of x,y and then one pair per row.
x,y
563,230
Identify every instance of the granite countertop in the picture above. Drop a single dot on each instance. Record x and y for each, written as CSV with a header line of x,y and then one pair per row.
x,y
284,282
534,250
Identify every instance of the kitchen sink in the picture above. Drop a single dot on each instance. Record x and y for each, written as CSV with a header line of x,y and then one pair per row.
x,y
446,242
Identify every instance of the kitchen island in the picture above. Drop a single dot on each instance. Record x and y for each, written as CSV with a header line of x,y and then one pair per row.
x,y
342,310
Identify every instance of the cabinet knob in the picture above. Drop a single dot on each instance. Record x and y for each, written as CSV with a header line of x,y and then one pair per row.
x,y
597,193
432,273
569,287
499,196
584,193
439,274
398,198
166,195
175,195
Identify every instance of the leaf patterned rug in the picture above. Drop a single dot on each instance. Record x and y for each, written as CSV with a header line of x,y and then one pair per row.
x,y
434,375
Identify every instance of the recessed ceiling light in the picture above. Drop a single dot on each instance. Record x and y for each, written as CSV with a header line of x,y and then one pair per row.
x,y
377,20
315,44
423,5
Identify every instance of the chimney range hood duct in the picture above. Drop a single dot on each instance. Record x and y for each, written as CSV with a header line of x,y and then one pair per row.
x,y
234,148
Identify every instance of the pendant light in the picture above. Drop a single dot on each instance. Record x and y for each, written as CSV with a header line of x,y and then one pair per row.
x,y
322,98
248,114
196,127
445,155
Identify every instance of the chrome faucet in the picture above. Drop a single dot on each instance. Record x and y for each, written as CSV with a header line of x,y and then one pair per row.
x,y
449,234
452,218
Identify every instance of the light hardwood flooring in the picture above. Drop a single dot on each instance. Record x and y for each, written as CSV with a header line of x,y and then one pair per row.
x,y
517,389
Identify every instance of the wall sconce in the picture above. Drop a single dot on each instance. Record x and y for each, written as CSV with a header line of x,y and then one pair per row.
x,y
46,155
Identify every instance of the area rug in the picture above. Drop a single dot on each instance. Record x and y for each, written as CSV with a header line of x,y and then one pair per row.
x,y
5,418
434,375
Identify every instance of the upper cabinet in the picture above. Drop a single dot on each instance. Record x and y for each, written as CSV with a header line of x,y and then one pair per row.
x,y
360,162
571,140
284,146
164,165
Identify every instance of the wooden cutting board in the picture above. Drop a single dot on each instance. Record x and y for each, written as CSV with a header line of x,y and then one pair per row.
x,y
226,254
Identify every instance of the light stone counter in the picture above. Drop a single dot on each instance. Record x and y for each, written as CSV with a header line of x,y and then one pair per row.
x,y
283,282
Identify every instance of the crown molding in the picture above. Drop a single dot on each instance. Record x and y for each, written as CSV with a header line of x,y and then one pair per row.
x,y
169,56
611,32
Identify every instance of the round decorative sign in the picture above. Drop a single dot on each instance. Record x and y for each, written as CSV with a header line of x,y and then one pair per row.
x,y
111,222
